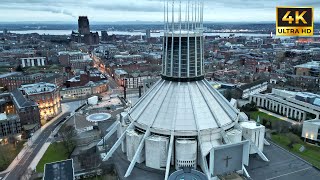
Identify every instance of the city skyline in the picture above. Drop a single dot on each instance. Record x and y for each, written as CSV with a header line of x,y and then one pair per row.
x,y
142,10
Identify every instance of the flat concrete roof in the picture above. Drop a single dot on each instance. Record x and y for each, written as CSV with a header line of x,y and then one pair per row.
x,y
283,165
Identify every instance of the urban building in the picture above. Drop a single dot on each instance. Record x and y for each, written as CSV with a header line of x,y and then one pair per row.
x,y
148,34
3,78
136,80
311,131
6,104
253,88
47,97
28,112
84,35
56,79
125,58
59,170
75,59
308,69
9,125
33,61
299,106
91,88
83,25
85,77
182,121
15,81
104,36
119,76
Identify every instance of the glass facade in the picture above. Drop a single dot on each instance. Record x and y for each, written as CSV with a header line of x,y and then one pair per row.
x,y
172,66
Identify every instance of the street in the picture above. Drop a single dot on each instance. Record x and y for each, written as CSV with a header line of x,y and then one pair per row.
x,y
31,153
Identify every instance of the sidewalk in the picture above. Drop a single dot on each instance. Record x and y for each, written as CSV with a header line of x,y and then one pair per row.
x,y
38,157
279,116
45,146
30,142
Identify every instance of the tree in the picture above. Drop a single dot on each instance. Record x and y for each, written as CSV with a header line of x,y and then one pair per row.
x,y
296,129
19,68
12,140
89,159
68,134
293,140
281,126
249,107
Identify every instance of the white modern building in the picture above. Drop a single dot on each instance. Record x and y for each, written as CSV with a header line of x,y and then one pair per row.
x,y
311,131
33,61
253,88
182,121
294,105
91,88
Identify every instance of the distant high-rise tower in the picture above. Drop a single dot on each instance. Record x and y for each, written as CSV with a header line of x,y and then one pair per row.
x,y
83,25
84,35
148,33
5,32
104,36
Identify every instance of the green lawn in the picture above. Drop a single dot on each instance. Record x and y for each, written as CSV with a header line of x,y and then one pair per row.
x,y
55,152
254,115
46,69
311,154
4,70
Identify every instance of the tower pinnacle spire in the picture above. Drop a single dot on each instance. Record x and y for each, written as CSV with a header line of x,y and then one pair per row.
x,y
183,40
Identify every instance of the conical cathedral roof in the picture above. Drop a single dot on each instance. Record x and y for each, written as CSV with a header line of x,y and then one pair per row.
x,y
185,107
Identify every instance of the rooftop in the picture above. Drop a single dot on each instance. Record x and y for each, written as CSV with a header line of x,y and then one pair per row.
x,y
9,74
186,107
314,121
120,72
98,117
38,88
70,53
81,122
312,64
62,170
20,100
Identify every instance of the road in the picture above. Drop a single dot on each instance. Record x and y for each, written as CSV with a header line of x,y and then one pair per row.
x,y
31,153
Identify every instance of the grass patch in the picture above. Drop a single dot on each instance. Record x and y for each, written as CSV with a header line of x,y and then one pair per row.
x,y
8,152
55,152
311,154
254,115
43,69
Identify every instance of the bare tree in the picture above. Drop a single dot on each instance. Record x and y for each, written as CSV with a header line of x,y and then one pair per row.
x,y
12,140
68,134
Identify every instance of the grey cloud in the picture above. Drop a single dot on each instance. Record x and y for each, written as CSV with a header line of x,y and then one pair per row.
x,y
73,7
55,10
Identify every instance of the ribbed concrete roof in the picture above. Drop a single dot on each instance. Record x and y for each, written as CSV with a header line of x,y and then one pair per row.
x,y
185,107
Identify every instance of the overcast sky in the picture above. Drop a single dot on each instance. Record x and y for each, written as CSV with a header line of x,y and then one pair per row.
x,y
142,10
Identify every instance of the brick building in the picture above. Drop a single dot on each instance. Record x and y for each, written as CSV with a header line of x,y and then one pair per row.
x,y
15,81
75,60
28,111
47,97
9,125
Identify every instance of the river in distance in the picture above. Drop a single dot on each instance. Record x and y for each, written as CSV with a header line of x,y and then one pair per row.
x,y
135,33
